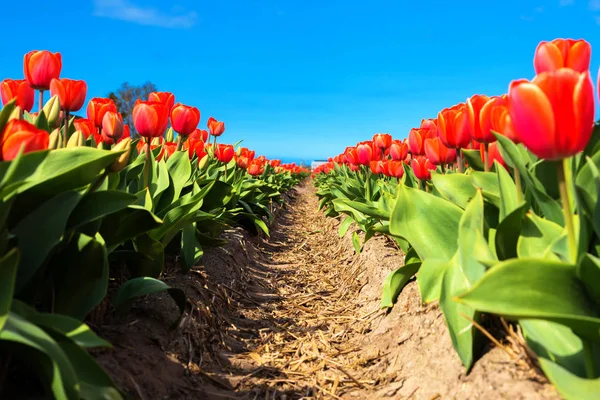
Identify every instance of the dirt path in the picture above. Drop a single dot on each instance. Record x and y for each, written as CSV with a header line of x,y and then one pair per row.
x,y
297,316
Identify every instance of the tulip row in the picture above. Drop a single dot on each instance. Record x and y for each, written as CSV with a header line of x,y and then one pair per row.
x,y
495,204
83,203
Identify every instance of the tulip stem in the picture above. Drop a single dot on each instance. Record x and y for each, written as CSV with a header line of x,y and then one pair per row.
x,y
461,161
518,185
41,101
486,164
179,143
148,163
66,129
564,186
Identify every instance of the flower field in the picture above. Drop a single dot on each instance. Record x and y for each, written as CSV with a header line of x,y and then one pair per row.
x,y
492,207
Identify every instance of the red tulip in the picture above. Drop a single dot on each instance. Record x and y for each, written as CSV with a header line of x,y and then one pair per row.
x,y
17,134
215,127
166,98
99,106
495,117
184,119
200,150
437,153
430,124
17,89
256,168
242,161
422,167
395,169
453,127
493,155
86,126
112,126
41,67
474,106
247,153
364,153
351,155
416,139
224,153
150,118
71,93
562,53
553,115
398,150
275,163
377,167
126,133
382,141
170,148
156,142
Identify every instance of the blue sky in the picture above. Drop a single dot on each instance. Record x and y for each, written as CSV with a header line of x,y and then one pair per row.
x,y
299,78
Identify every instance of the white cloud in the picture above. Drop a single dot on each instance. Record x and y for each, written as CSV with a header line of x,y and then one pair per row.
x,y
566,2
127,11
594,5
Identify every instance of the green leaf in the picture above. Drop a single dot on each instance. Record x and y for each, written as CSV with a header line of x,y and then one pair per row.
x,y
61,376
537,237
162,180
344,226
507,192
356,242
539,289
153,257
40,231
457,188
127,224
191,249
508,233
138,287
427,222
588,271
98,205
8,273
430,277
473,157
570,386
180,170
488,183
6,111
395,282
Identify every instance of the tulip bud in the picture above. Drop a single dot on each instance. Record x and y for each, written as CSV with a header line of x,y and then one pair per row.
x,y
202,163
54,140
16,113
169,137
76,140
52,111
155,141
123,159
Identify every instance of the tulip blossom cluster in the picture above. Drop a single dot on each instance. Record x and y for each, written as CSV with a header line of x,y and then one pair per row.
x,y
552,115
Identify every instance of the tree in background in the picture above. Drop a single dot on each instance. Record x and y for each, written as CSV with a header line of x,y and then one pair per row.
x,y
126,96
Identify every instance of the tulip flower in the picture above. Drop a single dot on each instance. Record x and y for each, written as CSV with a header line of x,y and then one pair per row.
x,y
121,163
247,153
40,67
17,89
553,115
126,133
199,134
166,98
453,127
377,167
169,149
112,127
474,106
417,137
85,126
275,163
382,141
351,155
430,124
242,161
215,127
224,153
184,119
422,167
395,169
19,134
437,153
495,117
154,144
256,168
398,150
562,53
364,153
71,93
150,118
493,155
99,106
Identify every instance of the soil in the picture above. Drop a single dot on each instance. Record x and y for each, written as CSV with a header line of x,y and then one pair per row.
x,y
297,316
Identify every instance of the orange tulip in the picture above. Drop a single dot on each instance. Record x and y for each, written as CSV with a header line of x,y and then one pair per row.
x,y
112,127
41,67
416,139
422,167
71,93
247,153
493,155
365,154
156,143
150,118
215,127
395,169
256,168
377,167
86,126
553,115
184,119
430,124
242,161
166,98
169,149
17,134
126,133
437,153
17,89
200,134
398,150
562,53
495,117
97,107
382,141
474,106
224,153
453,127
351,155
